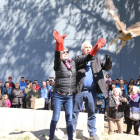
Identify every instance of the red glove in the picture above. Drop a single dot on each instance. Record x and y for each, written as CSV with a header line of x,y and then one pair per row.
x,y
100,43
59,40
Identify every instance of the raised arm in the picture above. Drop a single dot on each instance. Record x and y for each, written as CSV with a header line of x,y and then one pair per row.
x,y
100,43
59,47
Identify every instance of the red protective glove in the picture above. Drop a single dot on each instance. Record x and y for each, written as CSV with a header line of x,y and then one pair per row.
x,y
100,43
59,40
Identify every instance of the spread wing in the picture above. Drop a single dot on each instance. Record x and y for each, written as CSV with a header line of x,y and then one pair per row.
x,y
113,13
135,29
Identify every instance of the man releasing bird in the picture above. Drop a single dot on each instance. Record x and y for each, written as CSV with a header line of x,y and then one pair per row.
x,y
123,33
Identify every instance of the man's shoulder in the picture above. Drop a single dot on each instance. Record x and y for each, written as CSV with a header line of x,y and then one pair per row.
x,y
79,56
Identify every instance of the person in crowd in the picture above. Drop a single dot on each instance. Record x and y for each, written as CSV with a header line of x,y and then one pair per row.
x,y
107,78
138,79
44,93
116,104
65,81
133,109
109,83
117,81
2,101
51,82
131,81
11,84
49,87
7,90
126,84
37,87
7,100
113,82
28,87
125,81
121,83
135,82
123,91
124,95
26,81
1,87
111,91
22,85
130,86
102,107
32,93
89,82
108,89
138,84
17,97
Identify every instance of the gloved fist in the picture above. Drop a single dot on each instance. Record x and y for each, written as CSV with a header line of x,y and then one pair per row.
x,y
59,40
100,43
108,59
58,37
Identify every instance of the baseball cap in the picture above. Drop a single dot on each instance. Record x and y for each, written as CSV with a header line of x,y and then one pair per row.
x,y
9,77
26,79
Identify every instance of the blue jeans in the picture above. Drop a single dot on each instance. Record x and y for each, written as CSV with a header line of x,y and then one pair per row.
x,y
90,100
102,110
58,101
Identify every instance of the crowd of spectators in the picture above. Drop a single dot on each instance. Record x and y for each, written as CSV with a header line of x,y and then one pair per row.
x,y
19,95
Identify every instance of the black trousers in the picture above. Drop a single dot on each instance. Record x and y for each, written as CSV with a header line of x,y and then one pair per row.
x,y
129,126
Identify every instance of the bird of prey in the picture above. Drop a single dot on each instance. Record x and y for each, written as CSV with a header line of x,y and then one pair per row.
x,y
123,33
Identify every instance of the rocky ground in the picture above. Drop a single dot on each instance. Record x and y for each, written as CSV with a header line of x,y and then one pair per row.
x,y
60,134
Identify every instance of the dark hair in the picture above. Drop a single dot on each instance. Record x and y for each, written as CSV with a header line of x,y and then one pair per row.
x,y
35,80
6,82
121,86
30,81
47,80
22,77
117,79
33,83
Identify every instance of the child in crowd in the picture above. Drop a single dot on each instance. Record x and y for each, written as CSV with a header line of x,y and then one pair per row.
x,y
133,110
107,78
7,100
116,104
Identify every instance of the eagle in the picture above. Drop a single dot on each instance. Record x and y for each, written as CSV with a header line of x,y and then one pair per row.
x,y
123,33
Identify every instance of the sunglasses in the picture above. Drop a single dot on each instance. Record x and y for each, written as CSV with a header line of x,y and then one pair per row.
x,y
65,52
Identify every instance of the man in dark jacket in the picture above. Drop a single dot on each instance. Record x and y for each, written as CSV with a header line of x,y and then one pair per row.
x,y
65,81
17,95
90,81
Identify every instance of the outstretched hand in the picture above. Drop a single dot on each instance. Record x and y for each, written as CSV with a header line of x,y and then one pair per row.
x,y
100,43
58,37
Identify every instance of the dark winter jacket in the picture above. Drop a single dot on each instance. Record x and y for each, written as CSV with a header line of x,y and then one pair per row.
x,y
97,66
116,113
17,95
65,79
